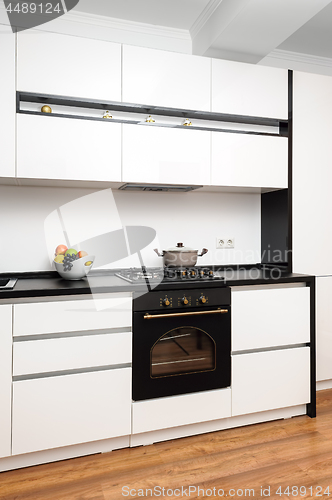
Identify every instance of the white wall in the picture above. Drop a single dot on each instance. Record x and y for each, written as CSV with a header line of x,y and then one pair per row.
x,y
30,226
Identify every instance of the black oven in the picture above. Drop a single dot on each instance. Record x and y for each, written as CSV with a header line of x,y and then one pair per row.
x,y
181,342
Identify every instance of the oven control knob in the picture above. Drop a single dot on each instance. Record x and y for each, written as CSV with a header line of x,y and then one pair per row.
x,y
184,301
166,302
202,299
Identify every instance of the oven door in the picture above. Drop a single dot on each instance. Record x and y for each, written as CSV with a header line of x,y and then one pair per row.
x,y
181,353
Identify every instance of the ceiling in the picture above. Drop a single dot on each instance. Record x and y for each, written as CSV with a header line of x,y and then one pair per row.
x,y
240,30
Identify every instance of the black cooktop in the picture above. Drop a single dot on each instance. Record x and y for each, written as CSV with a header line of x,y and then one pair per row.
x,y
169,274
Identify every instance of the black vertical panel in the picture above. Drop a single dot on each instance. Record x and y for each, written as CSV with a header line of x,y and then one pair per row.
x,y
274,227
290,170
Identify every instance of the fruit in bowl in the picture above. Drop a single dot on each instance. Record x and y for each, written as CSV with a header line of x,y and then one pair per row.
x,y
71,264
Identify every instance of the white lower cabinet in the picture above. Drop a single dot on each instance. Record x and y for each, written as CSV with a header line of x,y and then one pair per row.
x,y
270,317
65,410
5,378
165,155
249,160
50,147
174,411
269,380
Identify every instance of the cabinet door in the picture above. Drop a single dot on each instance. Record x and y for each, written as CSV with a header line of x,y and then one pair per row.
x,y
268,380
248,89
71,409
166,155
270,317
324,328
249,160
166,79
5,379
312,173
49,147
7,102
50,63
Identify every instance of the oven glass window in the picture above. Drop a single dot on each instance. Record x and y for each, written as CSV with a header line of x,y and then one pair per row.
x,y
183,350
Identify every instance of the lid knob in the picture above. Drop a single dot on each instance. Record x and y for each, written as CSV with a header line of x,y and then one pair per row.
x,y
179,245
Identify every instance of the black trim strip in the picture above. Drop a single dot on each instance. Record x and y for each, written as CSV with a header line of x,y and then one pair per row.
x,y
290,171
311,407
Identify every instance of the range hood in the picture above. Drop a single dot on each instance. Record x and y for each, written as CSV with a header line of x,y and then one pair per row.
x,y
158,187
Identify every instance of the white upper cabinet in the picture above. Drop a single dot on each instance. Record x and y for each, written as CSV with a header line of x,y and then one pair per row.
x,y
167,79
165,155
50,147
5,379
50,63
312,173
7,102
248,89
249,160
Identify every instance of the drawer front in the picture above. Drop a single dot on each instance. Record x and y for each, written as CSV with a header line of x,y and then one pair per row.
x,y
268,380
70,353
271,317
66,410
181,410
73,315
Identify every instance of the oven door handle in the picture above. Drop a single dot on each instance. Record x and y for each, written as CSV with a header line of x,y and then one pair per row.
x,y
195,313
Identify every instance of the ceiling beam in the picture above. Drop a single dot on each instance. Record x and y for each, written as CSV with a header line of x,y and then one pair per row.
x,y
248,30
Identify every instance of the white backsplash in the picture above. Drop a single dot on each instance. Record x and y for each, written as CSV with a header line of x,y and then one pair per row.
x,y
32,220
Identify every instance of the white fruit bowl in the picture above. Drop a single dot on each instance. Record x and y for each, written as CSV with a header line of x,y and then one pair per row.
x,y
79,269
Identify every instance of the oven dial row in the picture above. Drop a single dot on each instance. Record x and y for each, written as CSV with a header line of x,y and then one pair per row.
x,y
184,301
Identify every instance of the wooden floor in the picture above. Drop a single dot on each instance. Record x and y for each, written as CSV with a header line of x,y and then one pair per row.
x,y
294,452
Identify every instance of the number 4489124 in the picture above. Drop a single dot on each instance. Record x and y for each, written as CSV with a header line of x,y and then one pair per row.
x,y
301,491
34,8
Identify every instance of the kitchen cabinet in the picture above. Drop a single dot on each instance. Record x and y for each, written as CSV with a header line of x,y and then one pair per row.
x,y
249,160
65,410
165,155
248,89
268,380
50,63
5,379
7,102
104,313
51,147
312,174
71,375
270,317
187,409
324,328
71,353
168,79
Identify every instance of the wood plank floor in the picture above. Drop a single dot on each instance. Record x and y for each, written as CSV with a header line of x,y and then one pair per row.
x,y
294,452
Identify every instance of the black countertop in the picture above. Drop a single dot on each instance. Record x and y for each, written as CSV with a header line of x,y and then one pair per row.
x,y
50,284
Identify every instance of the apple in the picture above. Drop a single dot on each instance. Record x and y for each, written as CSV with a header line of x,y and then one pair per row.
x,y
82,253
71,251
61,250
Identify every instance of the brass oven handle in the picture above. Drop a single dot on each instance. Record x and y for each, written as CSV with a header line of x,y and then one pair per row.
x,y
216,311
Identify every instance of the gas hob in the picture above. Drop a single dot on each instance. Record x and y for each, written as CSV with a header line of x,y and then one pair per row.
x,y
169,274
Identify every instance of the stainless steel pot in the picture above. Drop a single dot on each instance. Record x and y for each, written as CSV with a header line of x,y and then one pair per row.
x,y
180,256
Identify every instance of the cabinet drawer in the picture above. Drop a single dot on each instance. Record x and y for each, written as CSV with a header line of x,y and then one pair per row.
x,y
51,355
73,315
60,411
271,317
268,380
181,410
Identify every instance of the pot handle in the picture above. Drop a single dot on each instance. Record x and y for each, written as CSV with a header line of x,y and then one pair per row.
x,y
157,252
203,252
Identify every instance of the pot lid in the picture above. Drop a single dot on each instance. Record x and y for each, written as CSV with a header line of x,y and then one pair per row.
x,y
180,248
